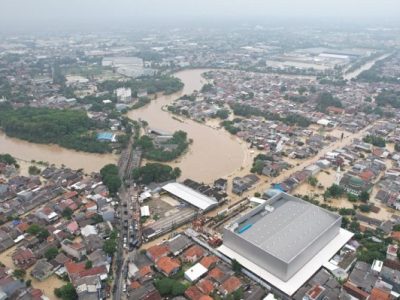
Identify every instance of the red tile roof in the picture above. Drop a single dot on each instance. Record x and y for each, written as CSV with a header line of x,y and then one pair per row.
x,y
93,271
232,284
205,286
209,261
193,252
167,264
216,273
135,285
158,251
378,294
74,268
193,293
143,271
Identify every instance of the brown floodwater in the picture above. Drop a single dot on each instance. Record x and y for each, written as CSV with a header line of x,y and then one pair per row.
x,y
213,153
54,154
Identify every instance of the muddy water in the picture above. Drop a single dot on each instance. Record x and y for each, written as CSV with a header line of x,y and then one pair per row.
x,y
363,68
213,154
47,286
54,154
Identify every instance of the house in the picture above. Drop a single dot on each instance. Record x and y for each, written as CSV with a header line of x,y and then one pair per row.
x,y
391,252
193,293
42,270
193,254
23,258
355,185
88,230
74,249
205,286
168,266
221,184
157,251
209,261
231,285
355,291
379,294
178,244
73,227
88,287
195,273
47,214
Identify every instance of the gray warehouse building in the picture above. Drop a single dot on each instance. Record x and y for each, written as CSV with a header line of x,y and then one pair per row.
x,y
287,238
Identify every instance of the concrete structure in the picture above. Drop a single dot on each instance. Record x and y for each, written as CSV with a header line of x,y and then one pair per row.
x,y
283,239
124,95
190,196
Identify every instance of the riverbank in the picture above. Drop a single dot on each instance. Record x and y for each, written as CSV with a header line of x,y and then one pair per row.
x,y
54,154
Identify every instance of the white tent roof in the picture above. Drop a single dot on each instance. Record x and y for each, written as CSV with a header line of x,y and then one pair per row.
x,y
189,195
195,272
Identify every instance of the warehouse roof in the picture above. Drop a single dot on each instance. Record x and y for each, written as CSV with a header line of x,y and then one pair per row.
x,y
189,195
286,227
297,280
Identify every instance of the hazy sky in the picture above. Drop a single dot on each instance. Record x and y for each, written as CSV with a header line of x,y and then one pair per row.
x,y
34,13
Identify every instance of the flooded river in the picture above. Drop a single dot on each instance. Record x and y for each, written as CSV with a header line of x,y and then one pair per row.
x,y
214,153
54,154
366,66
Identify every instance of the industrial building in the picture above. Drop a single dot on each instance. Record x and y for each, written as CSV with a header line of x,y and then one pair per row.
x,y
284,241
190,196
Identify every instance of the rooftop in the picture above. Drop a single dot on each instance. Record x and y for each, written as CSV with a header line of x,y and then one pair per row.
x,y
189,195
283,228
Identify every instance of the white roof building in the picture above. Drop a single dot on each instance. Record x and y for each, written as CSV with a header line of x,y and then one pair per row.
x,y
145,211
190,196
88,230
196,272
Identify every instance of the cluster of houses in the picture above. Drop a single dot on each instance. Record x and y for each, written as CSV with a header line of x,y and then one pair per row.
x,y
182,258
70,215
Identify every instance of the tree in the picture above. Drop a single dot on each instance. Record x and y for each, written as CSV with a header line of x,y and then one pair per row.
x,y
43,234
312,181
222,114
67,213
110,177
351,197
375,140
164,286
155,172
110,246
236,266
334,191
66,292
178,289
7,158
33,170
364,196
19,273
88,264
33,229
51,253
365,208
325,99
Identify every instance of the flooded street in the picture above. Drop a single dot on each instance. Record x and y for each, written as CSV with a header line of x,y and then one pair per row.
x,y
213,153
47,286
54,154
